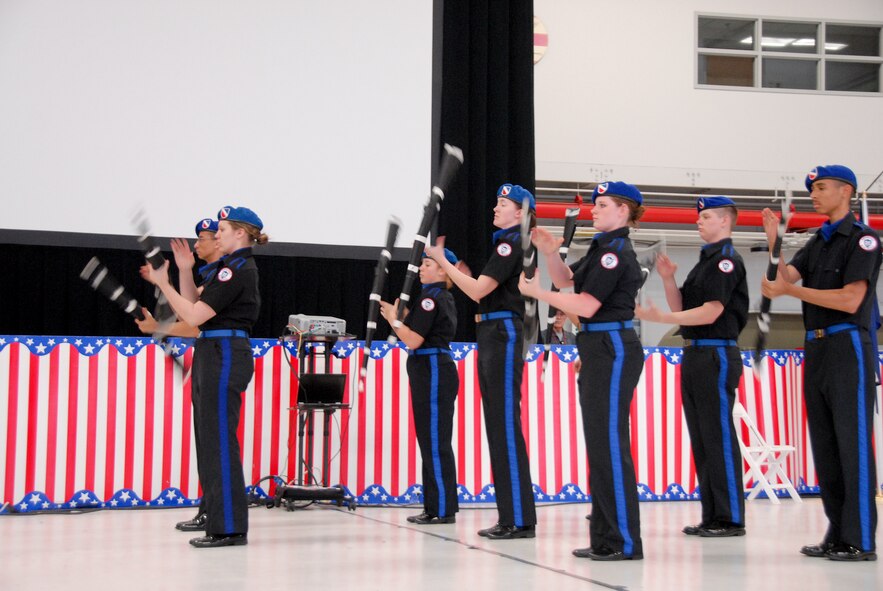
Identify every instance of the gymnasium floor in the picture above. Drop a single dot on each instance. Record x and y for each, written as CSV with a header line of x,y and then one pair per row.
x,y
322,548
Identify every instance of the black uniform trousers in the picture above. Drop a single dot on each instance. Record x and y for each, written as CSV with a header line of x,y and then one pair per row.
x,y
839,391
222,369
611,367
709,378
500,367
434,385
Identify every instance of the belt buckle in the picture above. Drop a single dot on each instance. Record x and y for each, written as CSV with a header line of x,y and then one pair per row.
x,y
819,333
477,318
688,342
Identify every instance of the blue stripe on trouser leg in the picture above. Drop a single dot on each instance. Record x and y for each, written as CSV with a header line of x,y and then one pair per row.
x,y
223,383
515,481
863,510
433,430
726,417
615,453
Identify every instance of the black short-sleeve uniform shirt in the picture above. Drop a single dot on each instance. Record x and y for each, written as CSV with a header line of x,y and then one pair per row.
x,y
433,316
719,276
505,266
232,292
852,253
611,274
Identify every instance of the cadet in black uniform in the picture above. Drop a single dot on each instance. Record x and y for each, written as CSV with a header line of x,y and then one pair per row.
x,y
605,283
222,368
839,267
206,248
427,331
712,309
500,365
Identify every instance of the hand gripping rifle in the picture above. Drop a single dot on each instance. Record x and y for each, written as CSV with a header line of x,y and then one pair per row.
x,y
381,272
763,318
451,161
570,217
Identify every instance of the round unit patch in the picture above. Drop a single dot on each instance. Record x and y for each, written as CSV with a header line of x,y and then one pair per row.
x,y
602,188
868,243
609,261
504,249
813,174
225,274
427,304
726,265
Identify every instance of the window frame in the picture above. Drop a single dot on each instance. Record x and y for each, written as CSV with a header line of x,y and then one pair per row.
x,y
757,53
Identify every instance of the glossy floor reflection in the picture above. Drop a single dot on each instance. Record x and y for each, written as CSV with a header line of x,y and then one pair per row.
x,y
375,548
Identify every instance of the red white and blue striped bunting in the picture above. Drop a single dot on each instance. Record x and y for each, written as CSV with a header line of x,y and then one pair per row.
x,y
106,422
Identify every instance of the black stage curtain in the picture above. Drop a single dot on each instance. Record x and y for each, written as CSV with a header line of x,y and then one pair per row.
x,y
42,293
482,102
486,108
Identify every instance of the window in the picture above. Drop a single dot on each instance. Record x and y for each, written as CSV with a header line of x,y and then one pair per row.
x,y
788,55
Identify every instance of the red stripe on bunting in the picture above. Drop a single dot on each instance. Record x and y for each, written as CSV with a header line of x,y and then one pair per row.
x,y
476,429
167,421
149,405
650,435
186,424
575,426
461,423
276,416
360,436
52,427
758,401
293,460
33,400
258,382
664,396
72,414
131,384
541,424
556,420
12,422
394,428
678,434
110,440
91,422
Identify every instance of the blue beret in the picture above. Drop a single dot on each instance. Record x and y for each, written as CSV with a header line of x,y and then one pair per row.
x,y
618,189
831,171
452,258
518,194
704,203
240,214
206,225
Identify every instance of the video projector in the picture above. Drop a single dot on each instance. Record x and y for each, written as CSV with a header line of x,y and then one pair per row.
x,y
317,325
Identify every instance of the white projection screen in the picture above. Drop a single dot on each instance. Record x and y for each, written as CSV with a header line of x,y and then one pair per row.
x,y
315,114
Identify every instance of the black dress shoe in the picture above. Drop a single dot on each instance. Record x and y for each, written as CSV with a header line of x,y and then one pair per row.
x,y
606,554
847,553
427,519
510,532
818,550
484,532
582,552
722,531
195,524
692,530
217,541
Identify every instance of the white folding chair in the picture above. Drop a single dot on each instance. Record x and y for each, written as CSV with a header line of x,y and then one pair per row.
x,y
765,461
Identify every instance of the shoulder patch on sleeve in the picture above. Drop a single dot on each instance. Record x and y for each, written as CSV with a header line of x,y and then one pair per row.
x,y
427,304
504,249
225,274
609,261
726,265
868,243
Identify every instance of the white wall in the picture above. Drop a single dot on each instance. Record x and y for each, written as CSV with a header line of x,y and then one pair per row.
x,y
615,96
317,115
